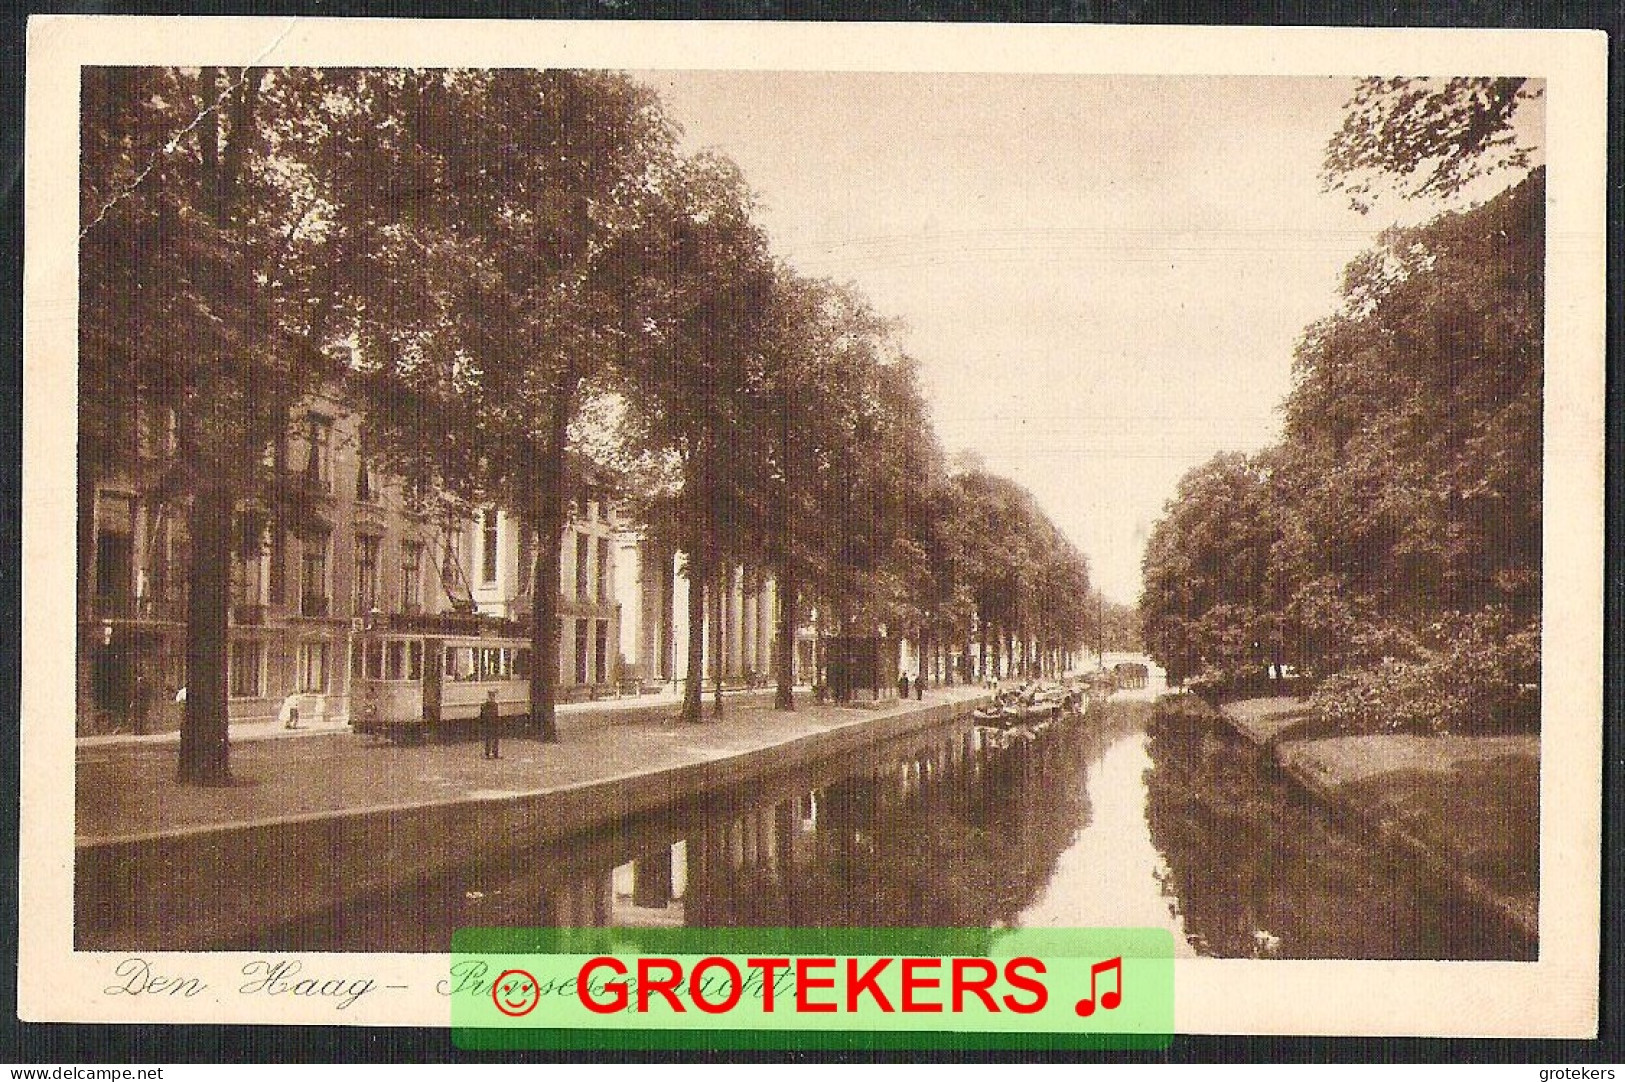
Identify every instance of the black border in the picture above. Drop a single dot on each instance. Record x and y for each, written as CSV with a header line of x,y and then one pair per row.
x,y
59,1044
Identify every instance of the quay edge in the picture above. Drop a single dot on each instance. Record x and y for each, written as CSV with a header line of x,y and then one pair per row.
x,y
187,889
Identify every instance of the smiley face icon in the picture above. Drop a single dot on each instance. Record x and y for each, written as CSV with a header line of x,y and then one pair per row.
x,y
515,993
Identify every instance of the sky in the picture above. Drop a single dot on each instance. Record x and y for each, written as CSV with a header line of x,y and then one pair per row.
x,y
1103,278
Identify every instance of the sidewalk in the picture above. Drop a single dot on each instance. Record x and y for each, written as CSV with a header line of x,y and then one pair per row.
x,y
1467,808
126,787
247,731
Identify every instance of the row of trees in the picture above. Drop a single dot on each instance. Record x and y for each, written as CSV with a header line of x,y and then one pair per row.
x,y
484,261
1392,540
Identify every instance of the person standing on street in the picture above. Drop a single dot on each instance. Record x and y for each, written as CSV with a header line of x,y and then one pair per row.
x,y
289,714
490,722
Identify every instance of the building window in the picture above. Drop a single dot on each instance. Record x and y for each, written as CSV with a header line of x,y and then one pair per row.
x,y
581,567
157,431
313,577
248,564
603,569
115,550
581,651
366,573
488,549
411,576
153,581
600,653
319,456
247,670
277,563
366,481
313,667
449,565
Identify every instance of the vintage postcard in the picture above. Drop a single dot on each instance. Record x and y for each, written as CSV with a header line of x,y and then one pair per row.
x,y
554,487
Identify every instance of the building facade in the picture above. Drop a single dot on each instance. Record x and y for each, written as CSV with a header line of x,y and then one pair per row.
x,y
300,592
496,555
653,592
303,593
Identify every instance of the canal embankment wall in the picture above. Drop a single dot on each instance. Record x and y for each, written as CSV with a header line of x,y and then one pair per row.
x,y
1464,809
186,888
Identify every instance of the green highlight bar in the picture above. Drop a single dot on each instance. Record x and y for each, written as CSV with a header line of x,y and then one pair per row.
x,y
850,989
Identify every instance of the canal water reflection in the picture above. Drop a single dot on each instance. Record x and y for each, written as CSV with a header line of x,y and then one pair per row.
x,y
1119,819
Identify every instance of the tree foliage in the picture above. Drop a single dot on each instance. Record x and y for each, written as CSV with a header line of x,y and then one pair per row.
x,y
474,258
489,300
1028,585
1429,137
1395,535
1210,589
701,305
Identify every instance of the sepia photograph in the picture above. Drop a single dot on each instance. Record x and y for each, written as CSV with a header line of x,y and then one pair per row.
x,y
662,494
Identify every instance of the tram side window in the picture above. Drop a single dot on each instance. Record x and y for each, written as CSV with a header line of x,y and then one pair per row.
x,y
375,660
414,660
397,659
491,663
461,663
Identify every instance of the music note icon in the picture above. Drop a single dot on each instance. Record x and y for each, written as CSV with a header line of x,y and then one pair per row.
x,y
1108,1000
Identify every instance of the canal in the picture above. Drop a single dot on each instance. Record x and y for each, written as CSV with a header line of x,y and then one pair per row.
x,y
1126,817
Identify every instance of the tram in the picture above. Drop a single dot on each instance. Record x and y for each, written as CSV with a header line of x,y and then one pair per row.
x,y
407,684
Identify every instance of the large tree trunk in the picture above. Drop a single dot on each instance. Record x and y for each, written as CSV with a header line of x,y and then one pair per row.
x,y
694,686
203,752
922,655
785,659
544,624
544,609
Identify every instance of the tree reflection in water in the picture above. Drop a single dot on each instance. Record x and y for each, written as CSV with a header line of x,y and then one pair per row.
x,y
961,834
953,828
1258,869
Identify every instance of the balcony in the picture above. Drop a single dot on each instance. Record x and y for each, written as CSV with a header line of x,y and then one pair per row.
x,y
125,607
247,614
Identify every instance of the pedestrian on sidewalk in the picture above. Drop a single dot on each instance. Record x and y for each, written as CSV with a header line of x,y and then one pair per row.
x,y
490,725
919,687
902,685
289,714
